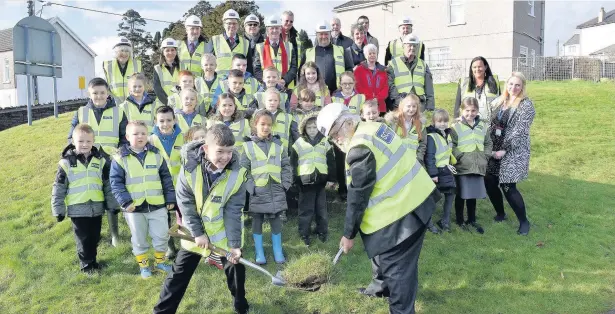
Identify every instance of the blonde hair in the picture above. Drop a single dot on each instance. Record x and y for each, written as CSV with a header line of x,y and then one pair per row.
x,y
188,90
136,123
271,69
83,127
440,115
506,96
273,90
208,56
307,95
191,131
416,118
137,77
369,103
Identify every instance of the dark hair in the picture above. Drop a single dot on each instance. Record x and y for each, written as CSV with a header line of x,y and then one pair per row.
x,y
221,97
163,60
489,79
239,56
235,73
362,17
221,135
97,81
165,109
258,114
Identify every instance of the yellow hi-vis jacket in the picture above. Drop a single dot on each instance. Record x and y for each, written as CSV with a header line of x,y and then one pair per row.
x,y
444,150
320,97
211,209
281,127
224,53
183,124
338,56
276,59
397,48
468,139
107,132
312,158
118,83
192,62
142,180
260,97
246,100
401,182
174,159
404,80
250,85
147,115
240,128
167,80
264,166
205,93
412,139
84,183
354,106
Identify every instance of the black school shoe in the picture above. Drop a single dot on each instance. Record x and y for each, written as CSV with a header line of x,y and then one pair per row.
x,y
433,229
443,226
476,226
323,237
306,241
498,218
524,228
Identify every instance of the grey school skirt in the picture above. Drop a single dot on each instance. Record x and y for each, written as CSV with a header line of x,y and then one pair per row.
x,y
471,186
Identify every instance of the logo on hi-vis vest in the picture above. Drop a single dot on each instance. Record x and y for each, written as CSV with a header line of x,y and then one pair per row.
x,y
96,165
150,166
216,199
177,147
107,118
281,121
147,111
385,134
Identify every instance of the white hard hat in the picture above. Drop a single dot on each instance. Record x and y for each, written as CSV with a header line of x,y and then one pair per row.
x,y
193,20
169,43
327,116
252,18
323,27
405,21
230,14
122,41
273,21
410,39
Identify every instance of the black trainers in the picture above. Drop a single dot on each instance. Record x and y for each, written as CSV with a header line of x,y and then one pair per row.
x,y
433,229
498,218
476,226
443,226
524,228
306,241
323,237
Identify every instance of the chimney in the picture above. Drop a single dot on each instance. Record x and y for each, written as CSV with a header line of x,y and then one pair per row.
x,y
601,15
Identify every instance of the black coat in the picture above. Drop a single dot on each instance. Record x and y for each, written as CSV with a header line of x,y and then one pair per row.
x,y
446,180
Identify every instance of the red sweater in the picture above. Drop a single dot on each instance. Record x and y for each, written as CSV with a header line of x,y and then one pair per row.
x,y
372,85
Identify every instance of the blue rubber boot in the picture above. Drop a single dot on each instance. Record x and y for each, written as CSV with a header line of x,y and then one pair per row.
x,y
258,249
278,255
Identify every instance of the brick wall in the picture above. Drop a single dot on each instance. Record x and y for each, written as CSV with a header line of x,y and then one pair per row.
x,y
15,116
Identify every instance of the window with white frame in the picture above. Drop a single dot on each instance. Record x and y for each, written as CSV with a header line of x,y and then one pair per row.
x,y
572,49
7,71
533,55
456,11
530,9
438,57
523,55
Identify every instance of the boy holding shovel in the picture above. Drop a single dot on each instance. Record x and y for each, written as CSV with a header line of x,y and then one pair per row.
x,y
211,180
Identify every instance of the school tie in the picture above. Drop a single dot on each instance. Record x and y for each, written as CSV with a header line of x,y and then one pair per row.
x,y
231,40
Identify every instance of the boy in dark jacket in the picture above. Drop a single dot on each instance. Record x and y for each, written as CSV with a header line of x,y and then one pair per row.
x,y
143,186
313,165
81,191
438,162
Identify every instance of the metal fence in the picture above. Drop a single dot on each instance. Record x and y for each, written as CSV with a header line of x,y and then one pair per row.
x,y
534,68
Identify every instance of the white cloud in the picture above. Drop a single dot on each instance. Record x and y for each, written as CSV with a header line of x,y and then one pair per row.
x,y
103,48
309,13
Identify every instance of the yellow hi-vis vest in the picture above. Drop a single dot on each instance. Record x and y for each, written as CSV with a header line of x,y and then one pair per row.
x,y
401,182
118,84
175,102
444,150
264,166
354,106
320,97
281,127
311,157
338,57
246,100
470,139
107,133
396,48
147,115
174,160
167,80
250,85
183,124
276,59
192,62
292,84
206,94
260,97
224,53
412,139
484,100
404,80
211,209
143,180
84,183
240,128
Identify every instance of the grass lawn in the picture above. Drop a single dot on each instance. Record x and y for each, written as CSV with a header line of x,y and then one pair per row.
x,y
565,265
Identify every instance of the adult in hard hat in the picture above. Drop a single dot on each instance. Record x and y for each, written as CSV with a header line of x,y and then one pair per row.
x,y
390,201
331,60
192,48
275,52
252,30
337,38
369,39
118,70
409,74
290,34
358,43
166,71
225,45
480,84
395,48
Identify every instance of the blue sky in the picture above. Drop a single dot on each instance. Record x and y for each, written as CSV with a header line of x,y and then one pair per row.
x,y
99,30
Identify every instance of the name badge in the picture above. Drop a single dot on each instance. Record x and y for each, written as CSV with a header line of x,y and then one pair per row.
x,y
146,111
107,118
96,165
150,166
216,199
281,121
498,132
177,147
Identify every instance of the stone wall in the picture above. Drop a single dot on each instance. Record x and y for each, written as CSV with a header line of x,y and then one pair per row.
x,y
10,117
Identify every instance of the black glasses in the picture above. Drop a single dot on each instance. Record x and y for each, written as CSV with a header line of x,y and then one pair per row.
x,y
252,25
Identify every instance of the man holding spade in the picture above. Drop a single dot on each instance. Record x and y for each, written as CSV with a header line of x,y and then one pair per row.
x,y
390,201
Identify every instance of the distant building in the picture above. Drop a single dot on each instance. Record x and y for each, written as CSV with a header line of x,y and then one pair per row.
x,y
572,47
597,34
77,60
455,31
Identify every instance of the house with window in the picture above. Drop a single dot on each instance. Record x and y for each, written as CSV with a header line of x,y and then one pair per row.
x,y
455,31
597,35
572,47
77,61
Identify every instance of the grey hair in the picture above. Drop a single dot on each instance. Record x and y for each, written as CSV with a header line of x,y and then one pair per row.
x,y
337,20
118,49
289,13
369,48
354,27
345,118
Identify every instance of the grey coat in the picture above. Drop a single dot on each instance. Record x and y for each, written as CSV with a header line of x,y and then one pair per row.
x,y
270,199
515,164
60,188
193,156
427,100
